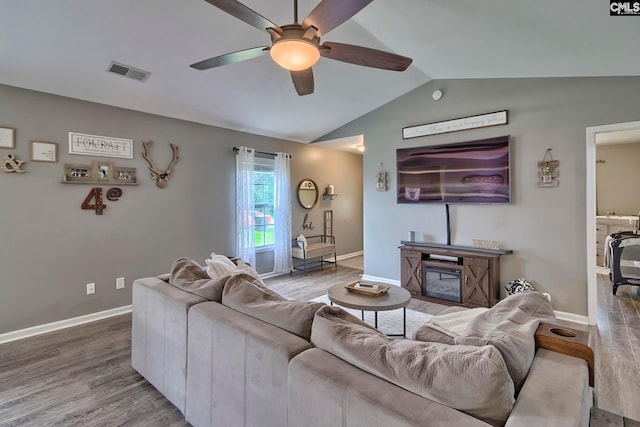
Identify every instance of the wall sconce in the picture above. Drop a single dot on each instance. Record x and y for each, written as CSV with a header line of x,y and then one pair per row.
x,y
330,192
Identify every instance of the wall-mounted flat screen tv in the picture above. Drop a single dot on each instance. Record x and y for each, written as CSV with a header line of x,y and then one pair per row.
x,y
466,172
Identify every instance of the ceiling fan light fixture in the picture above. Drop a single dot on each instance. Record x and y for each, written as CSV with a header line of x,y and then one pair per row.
x,y
294,54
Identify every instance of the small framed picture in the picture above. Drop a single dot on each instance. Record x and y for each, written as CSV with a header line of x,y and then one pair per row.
x,y
6,137
103,171
125,175
44,152
78,173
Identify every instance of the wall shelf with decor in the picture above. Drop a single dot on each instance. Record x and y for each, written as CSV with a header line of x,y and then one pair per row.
x,y
452,275
99,172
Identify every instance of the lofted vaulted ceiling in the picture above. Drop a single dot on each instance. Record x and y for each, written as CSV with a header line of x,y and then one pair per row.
x,y
65,46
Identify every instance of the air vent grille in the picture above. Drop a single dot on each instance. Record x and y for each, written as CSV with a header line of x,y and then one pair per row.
x,y
128,71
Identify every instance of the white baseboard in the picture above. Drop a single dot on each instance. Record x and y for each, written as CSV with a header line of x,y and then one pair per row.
x,y
54,326
272,274
571,317
380,280
339,258
351,255
345,256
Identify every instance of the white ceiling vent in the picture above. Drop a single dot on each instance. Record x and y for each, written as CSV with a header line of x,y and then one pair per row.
x,y
128,71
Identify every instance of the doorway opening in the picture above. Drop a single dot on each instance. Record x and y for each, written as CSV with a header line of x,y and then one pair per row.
x,y
606,134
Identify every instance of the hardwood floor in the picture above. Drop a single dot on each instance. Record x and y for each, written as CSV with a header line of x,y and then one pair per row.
x,y
82,376
79,376
618,349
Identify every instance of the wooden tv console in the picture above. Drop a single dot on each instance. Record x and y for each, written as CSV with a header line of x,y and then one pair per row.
x,y
479,269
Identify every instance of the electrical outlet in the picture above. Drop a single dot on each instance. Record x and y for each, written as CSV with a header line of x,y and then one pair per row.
x,y
91,288
120,283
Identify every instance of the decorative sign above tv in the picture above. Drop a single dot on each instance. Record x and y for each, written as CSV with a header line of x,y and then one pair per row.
x,y
466,172
103,146
464,123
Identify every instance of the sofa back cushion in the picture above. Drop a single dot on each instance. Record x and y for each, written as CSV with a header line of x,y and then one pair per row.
x,y
246,294
188,275
510,326
471,379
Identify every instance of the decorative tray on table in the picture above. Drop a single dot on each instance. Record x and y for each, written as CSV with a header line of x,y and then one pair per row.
x,y
365,288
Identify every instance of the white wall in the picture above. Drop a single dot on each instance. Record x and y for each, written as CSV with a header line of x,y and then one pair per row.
x,y
543,226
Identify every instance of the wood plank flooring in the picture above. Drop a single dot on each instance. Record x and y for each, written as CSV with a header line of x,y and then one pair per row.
x,y
618,349
82,376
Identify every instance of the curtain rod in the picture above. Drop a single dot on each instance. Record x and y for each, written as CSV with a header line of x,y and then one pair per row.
x,y
236,149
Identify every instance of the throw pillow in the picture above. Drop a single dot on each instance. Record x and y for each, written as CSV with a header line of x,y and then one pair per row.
x,y
219,266
510,326
248,295
302,241
470,379
188,275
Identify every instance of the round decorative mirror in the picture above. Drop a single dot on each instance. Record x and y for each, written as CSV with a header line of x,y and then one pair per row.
x,y
307,193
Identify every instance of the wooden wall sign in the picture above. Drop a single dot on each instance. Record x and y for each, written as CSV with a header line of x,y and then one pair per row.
x,y
103,146
464,123
548,171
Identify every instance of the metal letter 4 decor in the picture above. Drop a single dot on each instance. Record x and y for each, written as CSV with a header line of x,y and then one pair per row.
x,y
98,206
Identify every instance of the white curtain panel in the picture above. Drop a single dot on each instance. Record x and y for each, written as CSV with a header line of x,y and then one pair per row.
x,y
245,242
282,190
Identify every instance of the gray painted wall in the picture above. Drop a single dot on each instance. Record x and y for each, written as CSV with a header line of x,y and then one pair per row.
x,y
617,178
51,248
545,227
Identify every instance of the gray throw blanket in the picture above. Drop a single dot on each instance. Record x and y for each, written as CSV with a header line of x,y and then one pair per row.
x,y
510,326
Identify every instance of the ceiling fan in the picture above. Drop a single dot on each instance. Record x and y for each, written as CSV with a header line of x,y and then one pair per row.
x,y
296,47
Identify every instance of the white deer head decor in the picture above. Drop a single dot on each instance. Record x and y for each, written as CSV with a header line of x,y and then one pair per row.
x,y
160,177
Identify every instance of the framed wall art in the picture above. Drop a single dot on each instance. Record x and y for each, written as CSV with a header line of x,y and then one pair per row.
x,y
99,173
42,151
7,137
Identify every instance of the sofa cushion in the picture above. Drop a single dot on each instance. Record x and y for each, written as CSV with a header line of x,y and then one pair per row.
x,y
189,276
242,266
246,294
471,379
510,326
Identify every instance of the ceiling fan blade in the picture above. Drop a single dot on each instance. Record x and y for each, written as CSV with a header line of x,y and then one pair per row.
x,y
303,81
230,58
243,13
365,56
329,14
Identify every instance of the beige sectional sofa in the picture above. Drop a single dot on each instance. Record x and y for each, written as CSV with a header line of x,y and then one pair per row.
x,y
243,361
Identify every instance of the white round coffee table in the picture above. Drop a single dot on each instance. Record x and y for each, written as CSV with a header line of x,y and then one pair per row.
x,y
396,297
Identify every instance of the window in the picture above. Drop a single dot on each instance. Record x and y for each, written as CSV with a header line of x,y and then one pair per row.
x,y
263,217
